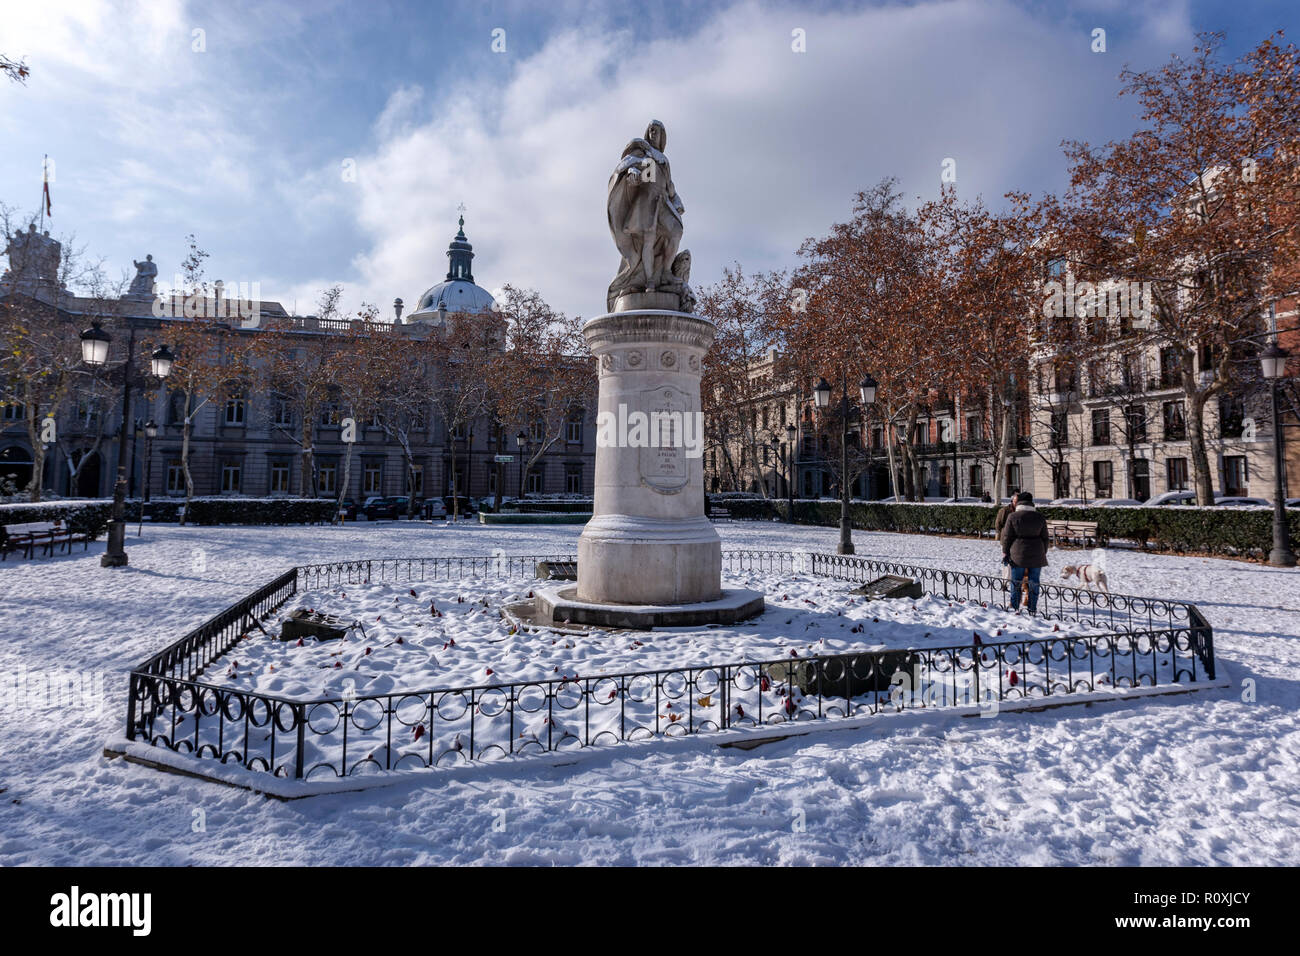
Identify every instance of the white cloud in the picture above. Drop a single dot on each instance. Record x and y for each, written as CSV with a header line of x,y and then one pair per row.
x,y
767,145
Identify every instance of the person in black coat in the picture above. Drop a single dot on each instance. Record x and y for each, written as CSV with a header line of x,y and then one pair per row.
x,y
1024,545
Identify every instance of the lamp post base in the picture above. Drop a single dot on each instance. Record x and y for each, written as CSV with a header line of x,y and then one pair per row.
x,y
1281,558
115,556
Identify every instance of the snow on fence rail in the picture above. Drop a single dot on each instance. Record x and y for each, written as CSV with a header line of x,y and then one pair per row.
x,y
1147,642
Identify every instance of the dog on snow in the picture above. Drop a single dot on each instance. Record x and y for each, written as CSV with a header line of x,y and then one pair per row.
x,y
1089,575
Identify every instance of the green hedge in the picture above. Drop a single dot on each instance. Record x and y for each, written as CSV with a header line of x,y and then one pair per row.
x,y
92,516
1235,531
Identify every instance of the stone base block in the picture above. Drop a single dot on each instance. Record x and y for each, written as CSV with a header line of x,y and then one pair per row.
x,y
627,559
562,605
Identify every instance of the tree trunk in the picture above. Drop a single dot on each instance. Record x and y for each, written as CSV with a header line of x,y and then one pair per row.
x,y
185,461
346,483
38,455
1200,457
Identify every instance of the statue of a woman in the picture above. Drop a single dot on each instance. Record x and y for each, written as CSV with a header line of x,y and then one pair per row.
x,y
645,218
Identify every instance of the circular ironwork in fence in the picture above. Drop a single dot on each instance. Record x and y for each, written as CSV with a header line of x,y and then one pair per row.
x,y
324,717
365,713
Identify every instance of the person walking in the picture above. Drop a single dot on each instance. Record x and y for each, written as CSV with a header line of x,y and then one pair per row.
x,y
1024,546
999,522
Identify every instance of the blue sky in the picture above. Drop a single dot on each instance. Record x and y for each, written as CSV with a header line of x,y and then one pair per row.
x,y
244,142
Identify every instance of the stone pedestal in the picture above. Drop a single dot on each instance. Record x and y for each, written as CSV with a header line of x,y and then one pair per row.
x,y
648,542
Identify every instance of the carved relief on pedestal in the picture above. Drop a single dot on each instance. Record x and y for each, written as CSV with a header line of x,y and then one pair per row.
x,y
608,362
694,363
664,465
668,359
635,358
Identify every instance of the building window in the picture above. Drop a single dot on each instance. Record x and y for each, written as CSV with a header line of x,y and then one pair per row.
x,y
415,481
533,484
573,430
1176,474
878,437
945,482
281,412
232,476
1061,479
279,476
372,478
175,477
1101,426
976,480
13,412
327,478
1171,368
1013,478
234,411
537,431
176,408
1059,430
573,479
1135,423
1103,478
1234,475
458,432
330,414
1140,468
1232,416
1174,422
972,427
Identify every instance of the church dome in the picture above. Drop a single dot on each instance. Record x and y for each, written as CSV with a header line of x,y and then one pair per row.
x,y
457,292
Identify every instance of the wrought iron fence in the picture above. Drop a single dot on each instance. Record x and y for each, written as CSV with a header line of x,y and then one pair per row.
x,y
1148,642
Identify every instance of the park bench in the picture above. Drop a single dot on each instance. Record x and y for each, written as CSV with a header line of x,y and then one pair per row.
x,y
27,537
1083,533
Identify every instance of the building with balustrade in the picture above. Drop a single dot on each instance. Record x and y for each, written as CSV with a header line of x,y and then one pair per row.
x,y
244,445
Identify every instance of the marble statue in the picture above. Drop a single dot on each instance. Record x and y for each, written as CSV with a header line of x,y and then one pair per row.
x,y
645,219
145,273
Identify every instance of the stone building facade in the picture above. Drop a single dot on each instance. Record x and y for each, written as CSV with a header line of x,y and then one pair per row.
x,y
241,446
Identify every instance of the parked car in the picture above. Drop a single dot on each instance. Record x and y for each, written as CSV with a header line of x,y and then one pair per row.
x,y
434,509
1068,501
1172,498
1117,503
377,509
1293,502
350,509
962,501
1236,501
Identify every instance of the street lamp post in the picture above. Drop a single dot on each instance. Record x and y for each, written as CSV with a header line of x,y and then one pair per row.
x,y
822,395
150,433
791,436
94,351
1273,361
867,393
521,440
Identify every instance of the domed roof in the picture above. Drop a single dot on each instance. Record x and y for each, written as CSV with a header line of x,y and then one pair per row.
x,y
457,292
458,295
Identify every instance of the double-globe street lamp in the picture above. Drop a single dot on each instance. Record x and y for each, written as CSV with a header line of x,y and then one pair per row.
x,y
522,441
784,455
94,351
1273,360
822,395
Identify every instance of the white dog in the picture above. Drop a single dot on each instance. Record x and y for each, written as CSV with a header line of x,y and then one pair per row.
x,y
1088,575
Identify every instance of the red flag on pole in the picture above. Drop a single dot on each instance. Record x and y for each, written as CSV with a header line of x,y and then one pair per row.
x,y
45,187
49,211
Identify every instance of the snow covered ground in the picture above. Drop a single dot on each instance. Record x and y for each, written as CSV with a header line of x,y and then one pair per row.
x,y
1204,779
